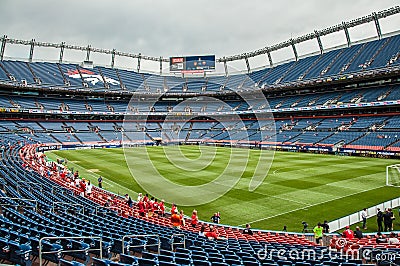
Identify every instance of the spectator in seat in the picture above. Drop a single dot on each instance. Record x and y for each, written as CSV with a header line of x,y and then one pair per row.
x,y
174,208
82,187
108,203
202,231
139,197
182,216
247,230
358,233
176,219
161,207
195,219
211,234
156,208
150,207
128,200
89,187
393,240
380,238
348,233
141,209
146,198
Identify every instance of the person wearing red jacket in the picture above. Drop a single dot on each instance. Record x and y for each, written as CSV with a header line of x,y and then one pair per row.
x,y
348,233
173,208
141,209
161,207
195,219
176,220
82,187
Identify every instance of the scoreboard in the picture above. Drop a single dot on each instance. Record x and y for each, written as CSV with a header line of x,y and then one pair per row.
x,y
198,63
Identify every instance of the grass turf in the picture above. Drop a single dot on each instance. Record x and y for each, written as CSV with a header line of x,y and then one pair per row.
x,y
299,186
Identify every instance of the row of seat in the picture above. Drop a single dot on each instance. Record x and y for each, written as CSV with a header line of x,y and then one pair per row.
x,y
356,58
25,223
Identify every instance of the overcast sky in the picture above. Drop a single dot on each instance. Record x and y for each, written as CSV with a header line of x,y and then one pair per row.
x,y
172,27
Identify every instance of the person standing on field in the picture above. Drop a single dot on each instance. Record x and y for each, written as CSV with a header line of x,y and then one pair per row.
x,y
100,181
379,220
364,216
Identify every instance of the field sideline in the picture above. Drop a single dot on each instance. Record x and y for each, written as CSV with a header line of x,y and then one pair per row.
x,y
299,186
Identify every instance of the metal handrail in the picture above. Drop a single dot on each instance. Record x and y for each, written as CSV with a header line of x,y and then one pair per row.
x,y
26,184
145,245
100,249
179,243
68,204
22,199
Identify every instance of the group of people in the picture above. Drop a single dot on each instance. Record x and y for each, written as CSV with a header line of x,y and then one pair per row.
x,y
385,221
387,218
148,206
178,218
84,186
350,234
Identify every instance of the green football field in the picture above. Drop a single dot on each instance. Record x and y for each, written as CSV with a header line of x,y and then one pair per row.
x,y
298,187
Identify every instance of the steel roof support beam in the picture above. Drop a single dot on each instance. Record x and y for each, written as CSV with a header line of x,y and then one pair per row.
x,y
139,58
113,58
294,50
346,32
226,68
318,37
271,63
62,47
88,52
161,60
247,64
377,25
31,50
3,46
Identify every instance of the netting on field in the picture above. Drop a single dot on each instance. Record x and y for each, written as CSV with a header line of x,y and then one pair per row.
x,y
393,175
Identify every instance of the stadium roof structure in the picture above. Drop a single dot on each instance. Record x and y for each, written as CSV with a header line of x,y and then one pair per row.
x,y
292,42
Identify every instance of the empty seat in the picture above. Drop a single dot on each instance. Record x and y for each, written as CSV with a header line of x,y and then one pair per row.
x,y
146,262
128,259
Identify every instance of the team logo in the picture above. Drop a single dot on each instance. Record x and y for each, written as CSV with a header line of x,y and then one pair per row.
x,y
91,77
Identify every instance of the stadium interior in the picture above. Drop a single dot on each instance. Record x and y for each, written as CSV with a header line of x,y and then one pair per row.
x,y
341,101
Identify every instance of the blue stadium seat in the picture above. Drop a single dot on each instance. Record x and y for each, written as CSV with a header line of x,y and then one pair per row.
x,y
101,262
199,262
128,259
63,262
147,262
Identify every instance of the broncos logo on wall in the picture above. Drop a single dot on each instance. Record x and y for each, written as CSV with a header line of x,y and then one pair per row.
x,y
91,77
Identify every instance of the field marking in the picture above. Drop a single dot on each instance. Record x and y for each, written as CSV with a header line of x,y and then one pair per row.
x,y
93,170
312,205
295,201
